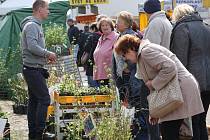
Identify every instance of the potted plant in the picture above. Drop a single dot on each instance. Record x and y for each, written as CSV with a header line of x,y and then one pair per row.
x,y
107,127
19,94
56,39
3,78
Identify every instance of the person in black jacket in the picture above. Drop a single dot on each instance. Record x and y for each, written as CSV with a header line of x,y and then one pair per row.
x,y
89,47
190,42
81,42
73,32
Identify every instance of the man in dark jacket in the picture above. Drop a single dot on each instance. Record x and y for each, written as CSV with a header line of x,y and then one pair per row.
x,y
73,32
190,42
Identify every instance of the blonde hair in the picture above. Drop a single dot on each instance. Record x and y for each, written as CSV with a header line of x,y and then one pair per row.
x,y
126,17
181,11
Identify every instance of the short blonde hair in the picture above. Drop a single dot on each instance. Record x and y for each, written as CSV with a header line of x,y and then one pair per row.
x,y
126,17
108,20
181,11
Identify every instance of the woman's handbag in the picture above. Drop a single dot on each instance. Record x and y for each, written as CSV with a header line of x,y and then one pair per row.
x,y
186,130
86,55
166,100
84,58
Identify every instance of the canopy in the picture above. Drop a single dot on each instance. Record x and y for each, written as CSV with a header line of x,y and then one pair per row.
x,y
10,5
10,31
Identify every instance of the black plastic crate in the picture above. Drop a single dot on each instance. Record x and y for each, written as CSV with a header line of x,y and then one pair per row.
x,y
4,95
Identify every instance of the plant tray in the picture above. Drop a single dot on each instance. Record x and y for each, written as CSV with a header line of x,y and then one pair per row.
x,y
83,99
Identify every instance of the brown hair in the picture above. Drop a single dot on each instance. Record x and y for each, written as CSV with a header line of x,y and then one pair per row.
x,y
39,3
127,42
108,20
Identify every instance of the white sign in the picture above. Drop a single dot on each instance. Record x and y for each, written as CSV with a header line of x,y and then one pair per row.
x,y
2,126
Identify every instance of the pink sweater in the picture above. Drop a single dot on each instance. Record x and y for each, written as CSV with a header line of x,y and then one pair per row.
x,y
103,56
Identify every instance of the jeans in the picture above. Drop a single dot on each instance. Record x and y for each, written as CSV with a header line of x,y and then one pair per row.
x,y
39,100
146,131
170,129
91,82
199,121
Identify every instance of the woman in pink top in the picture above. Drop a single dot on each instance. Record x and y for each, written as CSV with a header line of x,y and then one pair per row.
x,y
103,52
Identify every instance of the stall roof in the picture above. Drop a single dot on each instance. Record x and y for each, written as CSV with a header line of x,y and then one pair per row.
x,y
10,5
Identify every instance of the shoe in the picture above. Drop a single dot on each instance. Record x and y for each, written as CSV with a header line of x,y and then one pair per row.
x,y
48,136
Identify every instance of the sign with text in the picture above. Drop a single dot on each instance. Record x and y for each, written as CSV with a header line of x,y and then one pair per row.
x,y
84,2
194,3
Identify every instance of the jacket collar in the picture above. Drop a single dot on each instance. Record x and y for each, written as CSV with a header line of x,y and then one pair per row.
x,y
188,18
157,14
127,31
110,36
144,42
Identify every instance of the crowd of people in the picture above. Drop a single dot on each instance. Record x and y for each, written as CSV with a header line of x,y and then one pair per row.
x,y
138,62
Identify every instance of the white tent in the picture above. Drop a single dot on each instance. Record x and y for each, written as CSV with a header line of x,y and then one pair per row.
x,y
10,5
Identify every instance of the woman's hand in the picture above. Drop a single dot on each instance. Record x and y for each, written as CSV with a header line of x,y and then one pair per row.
x,y
153,121
149,85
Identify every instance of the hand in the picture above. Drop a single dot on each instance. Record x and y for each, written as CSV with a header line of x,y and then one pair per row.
x,y
126,70
149,85
52,57
125,103
153,121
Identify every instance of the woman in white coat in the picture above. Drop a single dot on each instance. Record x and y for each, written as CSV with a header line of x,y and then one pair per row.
x,y
161,66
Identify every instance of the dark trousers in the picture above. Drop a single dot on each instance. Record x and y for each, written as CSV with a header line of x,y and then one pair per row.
x,y
153,131
39,100
199,121
170,129
146,131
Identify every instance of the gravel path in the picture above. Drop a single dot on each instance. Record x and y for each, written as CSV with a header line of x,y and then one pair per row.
x,y
18,123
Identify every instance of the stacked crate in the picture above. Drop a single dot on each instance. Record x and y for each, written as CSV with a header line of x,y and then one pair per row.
x,y
67,107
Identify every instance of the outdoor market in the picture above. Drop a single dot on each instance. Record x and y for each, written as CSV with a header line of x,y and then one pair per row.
x,y
104,70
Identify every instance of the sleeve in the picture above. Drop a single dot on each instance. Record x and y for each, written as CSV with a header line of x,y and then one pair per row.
x,y
165,66
70,36
153,33
76,34
32,36
180,43
118,80
88,44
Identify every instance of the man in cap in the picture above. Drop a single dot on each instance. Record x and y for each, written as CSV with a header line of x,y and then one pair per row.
x,y
159,27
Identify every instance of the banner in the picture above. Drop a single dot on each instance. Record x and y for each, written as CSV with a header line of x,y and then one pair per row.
x,y
194,3
84,2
